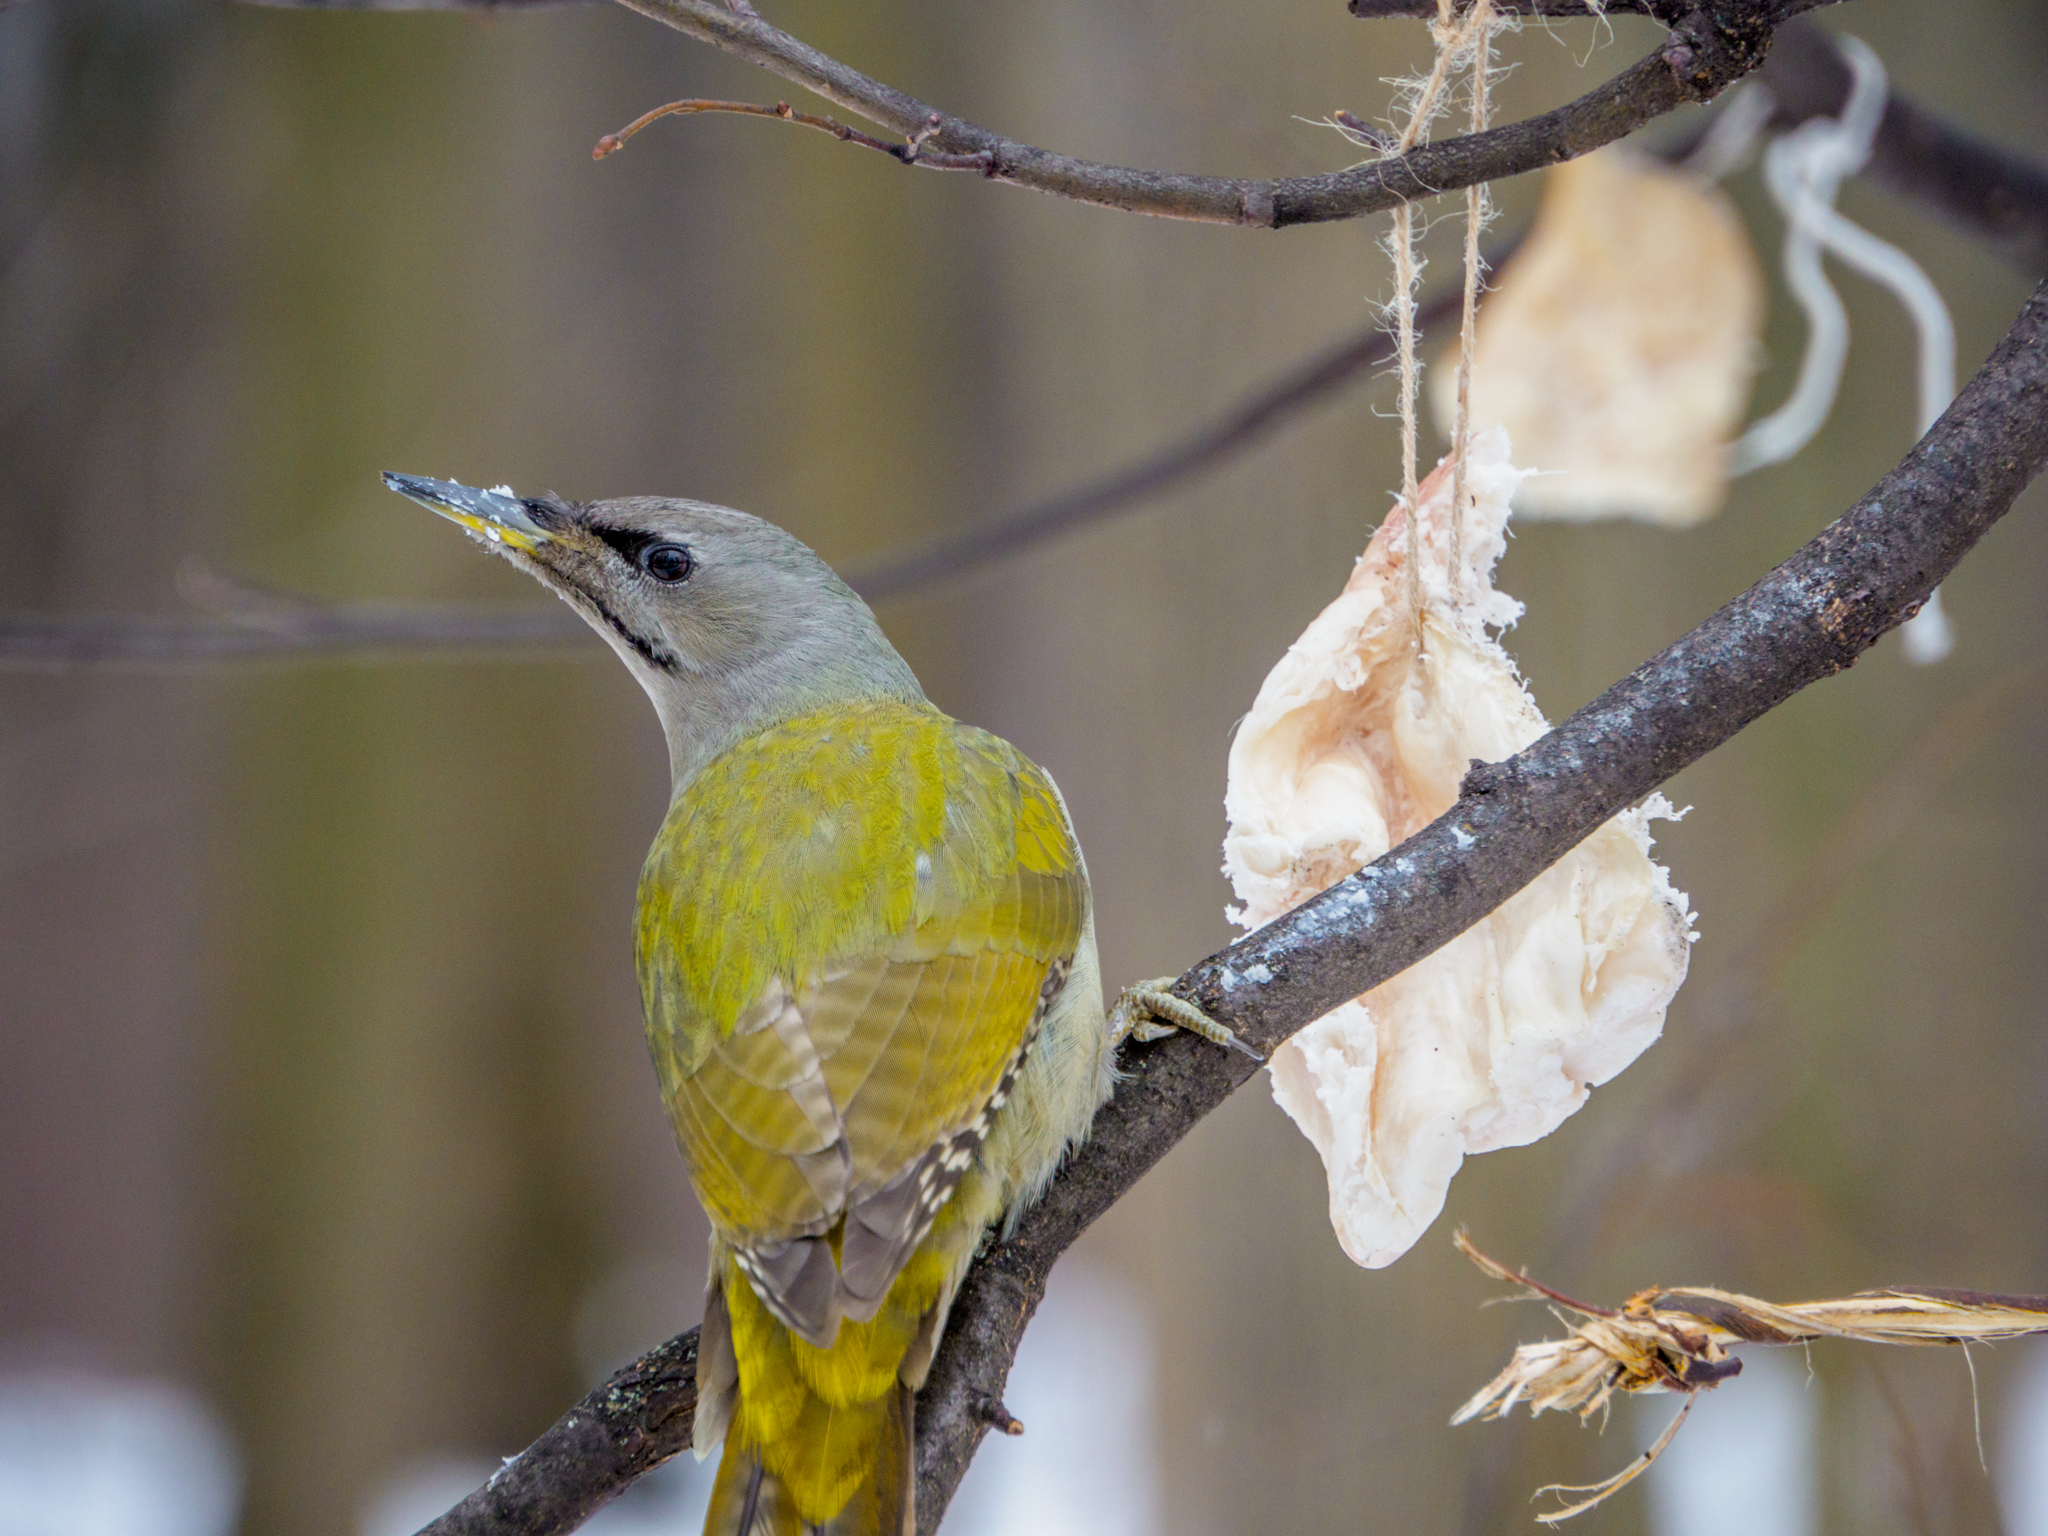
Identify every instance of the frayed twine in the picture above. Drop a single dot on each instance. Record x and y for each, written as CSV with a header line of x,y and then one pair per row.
x,y
1679,1340
1460,43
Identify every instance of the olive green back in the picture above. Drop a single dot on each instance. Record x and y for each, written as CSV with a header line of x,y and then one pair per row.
x,y
846,926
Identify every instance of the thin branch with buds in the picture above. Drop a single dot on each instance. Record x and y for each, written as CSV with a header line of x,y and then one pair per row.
x,y
1713,44
910,152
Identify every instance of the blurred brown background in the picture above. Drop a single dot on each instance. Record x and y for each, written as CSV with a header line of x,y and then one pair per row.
x,y
322,1091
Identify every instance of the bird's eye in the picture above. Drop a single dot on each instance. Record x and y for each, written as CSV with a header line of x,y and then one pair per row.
x,y
667,562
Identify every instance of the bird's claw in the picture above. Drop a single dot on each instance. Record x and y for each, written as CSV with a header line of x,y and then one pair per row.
x,y
1148,1011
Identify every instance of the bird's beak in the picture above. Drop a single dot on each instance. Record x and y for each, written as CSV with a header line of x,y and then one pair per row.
x,y
496,515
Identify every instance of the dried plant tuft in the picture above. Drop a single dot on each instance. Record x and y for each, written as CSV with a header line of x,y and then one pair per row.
x,y
1679,1340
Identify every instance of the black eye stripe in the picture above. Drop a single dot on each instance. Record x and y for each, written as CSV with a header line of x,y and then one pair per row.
x,y
627,541
662,558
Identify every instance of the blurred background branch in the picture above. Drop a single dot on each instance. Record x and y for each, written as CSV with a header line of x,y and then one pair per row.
x,y
1809,619
1998,196
1991,193
257,624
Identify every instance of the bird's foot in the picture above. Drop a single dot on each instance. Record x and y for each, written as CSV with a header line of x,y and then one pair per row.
x,y
1148,1011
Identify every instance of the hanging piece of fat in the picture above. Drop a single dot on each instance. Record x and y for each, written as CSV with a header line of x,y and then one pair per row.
x,y
1354,743
1619,344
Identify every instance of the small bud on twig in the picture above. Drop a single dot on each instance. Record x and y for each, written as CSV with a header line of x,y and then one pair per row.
x,y
999,1417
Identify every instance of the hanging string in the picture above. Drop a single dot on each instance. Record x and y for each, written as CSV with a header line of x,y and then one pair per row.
x,y
1407,273
1479,21
1452,43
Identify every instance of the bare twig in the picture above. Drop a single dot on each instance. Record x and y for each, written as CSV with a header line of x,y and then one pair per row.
x,y
1562,10
1712,44
1807,620
909,151
612,143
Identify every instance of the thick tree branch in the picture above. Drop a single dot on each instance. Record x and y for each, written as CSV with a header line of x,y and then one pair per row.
x,y
1808,619
630,1425
1713,44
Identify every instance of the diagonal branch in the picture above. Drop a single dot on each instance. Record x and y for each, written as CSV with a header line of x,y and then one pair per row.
x,y
1713,43
1808,619
1249,421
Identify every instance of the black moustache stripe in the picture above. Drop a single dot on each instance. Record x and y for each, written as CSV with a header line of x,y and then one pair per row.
x,y
661,660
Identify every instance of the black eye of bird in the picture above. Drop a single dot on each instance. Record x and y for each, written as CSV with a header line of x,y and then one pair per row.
x,y
667,562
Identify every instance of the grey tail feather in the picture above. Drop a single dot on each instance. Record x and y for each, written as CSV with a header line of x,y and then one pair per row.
x,y
752,1507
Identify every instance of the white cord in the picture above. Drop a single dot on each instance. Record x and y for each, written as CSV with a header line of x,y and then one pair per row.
x,y
1804,171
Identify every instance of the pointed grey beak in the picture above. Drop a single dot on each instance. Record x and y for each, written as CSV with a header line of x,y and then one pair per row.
x,y
496,515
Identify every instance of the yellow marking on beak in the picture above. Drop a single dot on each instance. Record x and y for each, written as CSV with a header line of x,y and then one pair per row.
x,y
497,533
497,515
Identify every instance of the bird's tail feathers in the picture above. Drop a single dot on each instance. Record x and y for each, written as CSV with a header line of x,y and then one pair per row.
x,y
750,1500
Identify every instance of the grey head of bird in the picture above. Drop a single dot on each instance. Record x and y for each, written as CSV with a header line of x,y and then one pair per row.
x,y
729,623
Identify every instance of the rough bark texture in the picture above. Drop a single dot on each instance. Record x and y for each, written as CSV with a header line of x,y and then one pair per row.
x,y
630,1425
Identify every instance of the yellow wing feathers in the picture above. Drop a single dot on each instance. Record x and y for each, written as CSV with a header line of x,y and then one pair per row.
x,y
850,926
838,836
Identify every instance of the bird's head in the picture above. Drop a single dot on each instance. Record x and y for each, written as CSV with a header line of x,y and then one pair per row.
x,y
728,622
